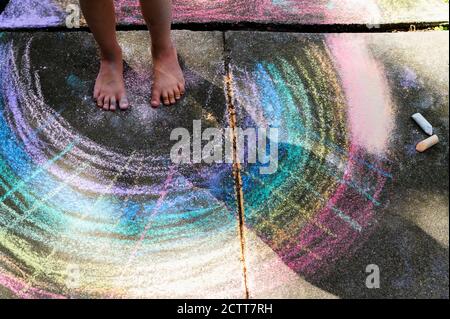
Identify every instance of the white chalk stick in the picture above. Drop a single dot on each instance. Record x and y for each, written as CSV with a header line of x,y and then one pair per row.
x,y
423,123
426,144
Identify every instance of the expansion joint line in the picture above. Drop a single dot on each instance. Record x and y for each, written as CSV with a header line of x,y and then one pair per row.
x,y
236,164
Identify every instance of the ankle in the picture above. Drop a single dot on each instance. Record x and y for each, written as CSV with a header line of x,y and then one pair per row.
x,y
160,49
113,55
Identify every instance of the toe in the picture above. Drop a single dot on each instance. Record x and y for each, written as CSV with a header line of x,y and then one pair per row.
x,y
96,93
100,101
172,98
165,97
112,104
182,89
123,103
177,94
156,98
106,102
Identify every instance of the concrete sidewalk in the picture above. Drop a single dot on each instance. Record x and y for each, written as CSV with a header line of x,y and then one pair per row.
x,y
92,206
372,13
350,190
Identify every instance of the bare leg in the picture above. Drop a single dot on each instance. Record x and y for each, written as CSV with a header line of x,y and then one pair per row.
x,y
109,87
168,79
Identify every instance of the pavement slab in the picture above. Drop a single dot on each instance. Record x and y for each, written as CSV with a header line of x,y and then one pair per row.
x,y
91,203
373,13
349,191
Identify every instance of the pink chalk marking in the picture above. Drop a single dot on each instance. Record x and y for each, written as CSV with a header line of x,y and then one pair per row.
x,y
307,11
370,110
18,286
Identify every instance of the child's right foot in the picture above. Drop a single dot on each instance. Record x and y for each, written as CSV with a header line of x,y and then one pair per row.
x,y
109,91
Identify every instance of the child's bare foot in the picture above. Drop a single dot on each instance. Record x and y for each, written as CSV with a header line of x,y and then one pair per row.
x,y
109,91
168,79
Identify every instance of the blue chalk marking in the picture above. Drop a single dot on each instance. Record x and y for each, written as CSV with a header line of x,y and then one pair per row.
x,y
330,5
38,171
74,82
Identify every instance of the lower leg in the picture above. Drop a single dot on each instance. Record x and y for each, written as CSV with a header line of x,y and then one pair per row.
x,y
109,87
168,80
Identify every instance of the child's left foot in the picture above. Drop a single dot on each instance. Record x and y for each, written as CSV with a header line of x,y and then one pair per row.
x,y
168,79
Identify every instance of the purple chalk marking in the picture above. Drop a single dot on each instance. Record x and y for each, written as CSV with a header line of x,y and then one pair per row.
x,y
31,13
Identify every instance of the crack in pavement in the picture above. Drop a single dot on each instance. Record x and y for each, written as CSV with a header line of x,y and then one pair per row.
x,y
228,82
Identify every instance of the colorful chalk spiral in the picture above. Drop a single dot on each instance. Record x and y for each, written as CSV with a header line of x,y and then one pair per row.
x,y
326,196
79,219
